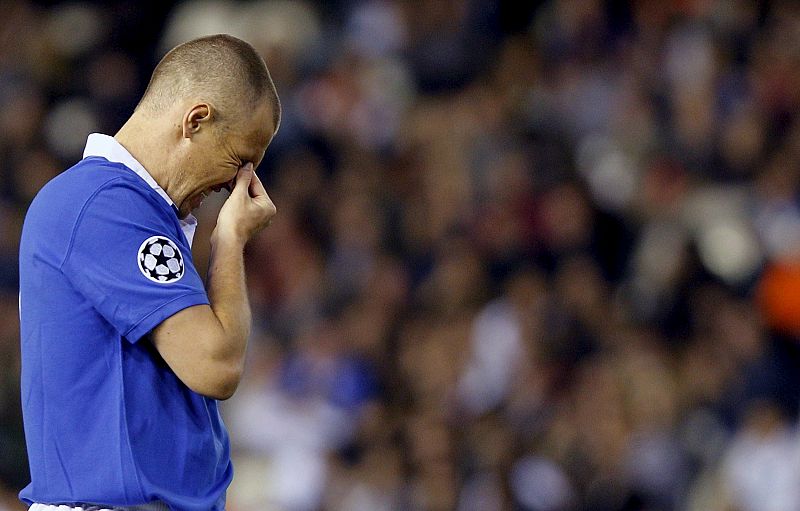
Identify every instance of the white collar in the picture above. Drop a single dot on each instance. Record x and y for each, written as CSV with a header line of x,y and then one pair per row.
x,y
107,147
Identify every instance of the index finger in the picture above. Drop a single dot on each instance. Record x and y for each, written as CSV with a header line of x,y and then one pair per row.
x,y
243,178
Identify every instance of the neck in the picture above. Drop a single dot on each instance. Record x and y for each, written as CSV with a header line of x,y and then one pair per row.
x,y
146,140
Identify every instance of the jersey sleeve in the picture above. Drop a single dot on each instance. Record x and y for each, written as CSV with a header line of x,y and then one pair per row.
x,y
130,260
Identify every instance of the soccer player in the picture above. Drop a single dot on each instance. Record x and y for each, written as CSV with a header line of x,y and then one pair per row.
x,y
125,352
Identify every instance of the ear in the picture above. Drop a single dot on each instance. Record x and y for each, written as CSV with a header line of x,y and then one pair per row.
x,y
198,116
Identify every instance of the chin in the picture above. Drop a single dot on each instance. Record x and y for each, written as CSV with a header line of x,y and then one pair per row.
x,y
184,211
190,205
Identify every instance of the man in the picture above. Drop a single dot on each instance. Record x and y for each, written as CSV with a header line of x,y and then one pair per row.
x,y
124,351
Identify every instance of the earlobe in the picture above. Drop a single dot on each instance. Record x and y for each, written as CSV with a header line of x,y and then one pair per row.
x,y
194,118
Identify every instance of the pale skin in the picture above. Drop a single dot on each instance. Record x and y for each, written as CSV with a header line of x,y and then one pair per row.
x,y
189,156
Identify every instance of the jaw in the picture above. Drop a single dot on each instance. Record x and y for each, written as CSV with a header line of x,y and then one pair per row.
x,y
199,191
190,204
184,210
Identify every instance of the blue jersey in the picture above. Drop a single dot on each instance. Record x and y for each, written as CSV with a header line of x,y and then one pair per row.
x,y
103,260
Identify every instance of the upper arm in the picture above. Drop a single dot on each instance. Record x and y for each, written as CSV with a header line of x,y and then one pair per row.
x,y
128,258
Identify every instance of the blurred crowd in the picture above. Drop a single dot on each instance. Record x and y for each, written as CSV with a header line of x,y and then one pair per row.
x,y
535,256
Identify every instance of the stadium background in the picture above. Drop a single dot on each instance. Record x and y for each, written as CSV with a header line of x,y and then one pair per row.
x,y
529,255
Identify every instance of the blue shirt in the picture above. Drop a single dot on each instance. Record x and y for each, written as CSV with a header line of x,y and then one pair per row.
x,y
103,260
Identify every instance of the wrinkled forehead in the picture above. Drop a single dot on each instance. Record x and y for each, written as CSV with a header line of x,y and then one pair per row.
x,y
259,128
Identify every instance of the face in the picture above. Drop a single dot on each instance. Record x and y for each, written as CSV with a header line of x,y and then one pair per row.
x,y
218,154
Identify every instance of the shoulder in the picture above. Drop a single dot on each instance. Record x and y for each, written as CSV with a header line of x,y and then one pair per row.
x,y
95,183
95,198
89,177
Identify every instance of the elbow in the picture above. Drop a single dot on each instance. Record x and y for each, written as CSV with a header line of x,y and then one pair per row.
x,y
201,354
221,393
222,384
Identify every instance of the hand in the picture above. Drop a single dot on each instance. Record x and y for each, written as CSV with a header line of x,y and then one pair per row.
x,y
247,210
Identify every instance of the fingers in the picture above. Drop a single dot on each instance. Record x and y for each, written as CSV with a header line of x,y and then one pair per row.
x,y
249,185
260,195
243,179
256,188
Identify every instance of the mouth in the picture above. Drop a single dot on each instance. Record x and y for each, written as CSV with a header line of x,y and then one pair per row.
x,y
198,199
228,186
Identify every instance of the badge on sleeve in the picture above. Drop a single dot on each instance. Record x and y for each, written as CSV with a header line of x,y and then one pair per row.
x,y
160,260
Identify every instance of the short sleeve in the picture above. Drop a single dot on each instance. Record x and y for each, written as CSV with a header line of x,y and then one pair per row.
x,y
129,259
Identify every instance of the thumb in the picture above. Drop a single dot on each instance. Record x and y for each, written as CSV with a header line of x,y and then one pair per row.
x,y
243,178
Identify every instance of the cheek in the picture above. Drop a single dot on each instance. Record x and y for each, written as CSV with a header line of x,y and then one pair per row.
x,y
230,173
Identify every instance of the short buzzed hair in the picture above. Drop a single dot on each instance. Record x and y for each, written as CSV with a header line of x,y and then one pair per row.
x,y
219,68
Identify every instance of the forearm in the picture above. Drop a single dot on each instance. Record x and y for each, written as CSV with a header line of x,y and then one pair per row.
x,y
205,345
227,293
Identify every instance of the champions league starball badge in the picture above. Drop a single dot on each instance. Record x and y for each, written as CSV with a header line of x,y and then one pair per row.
x,y
160,260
